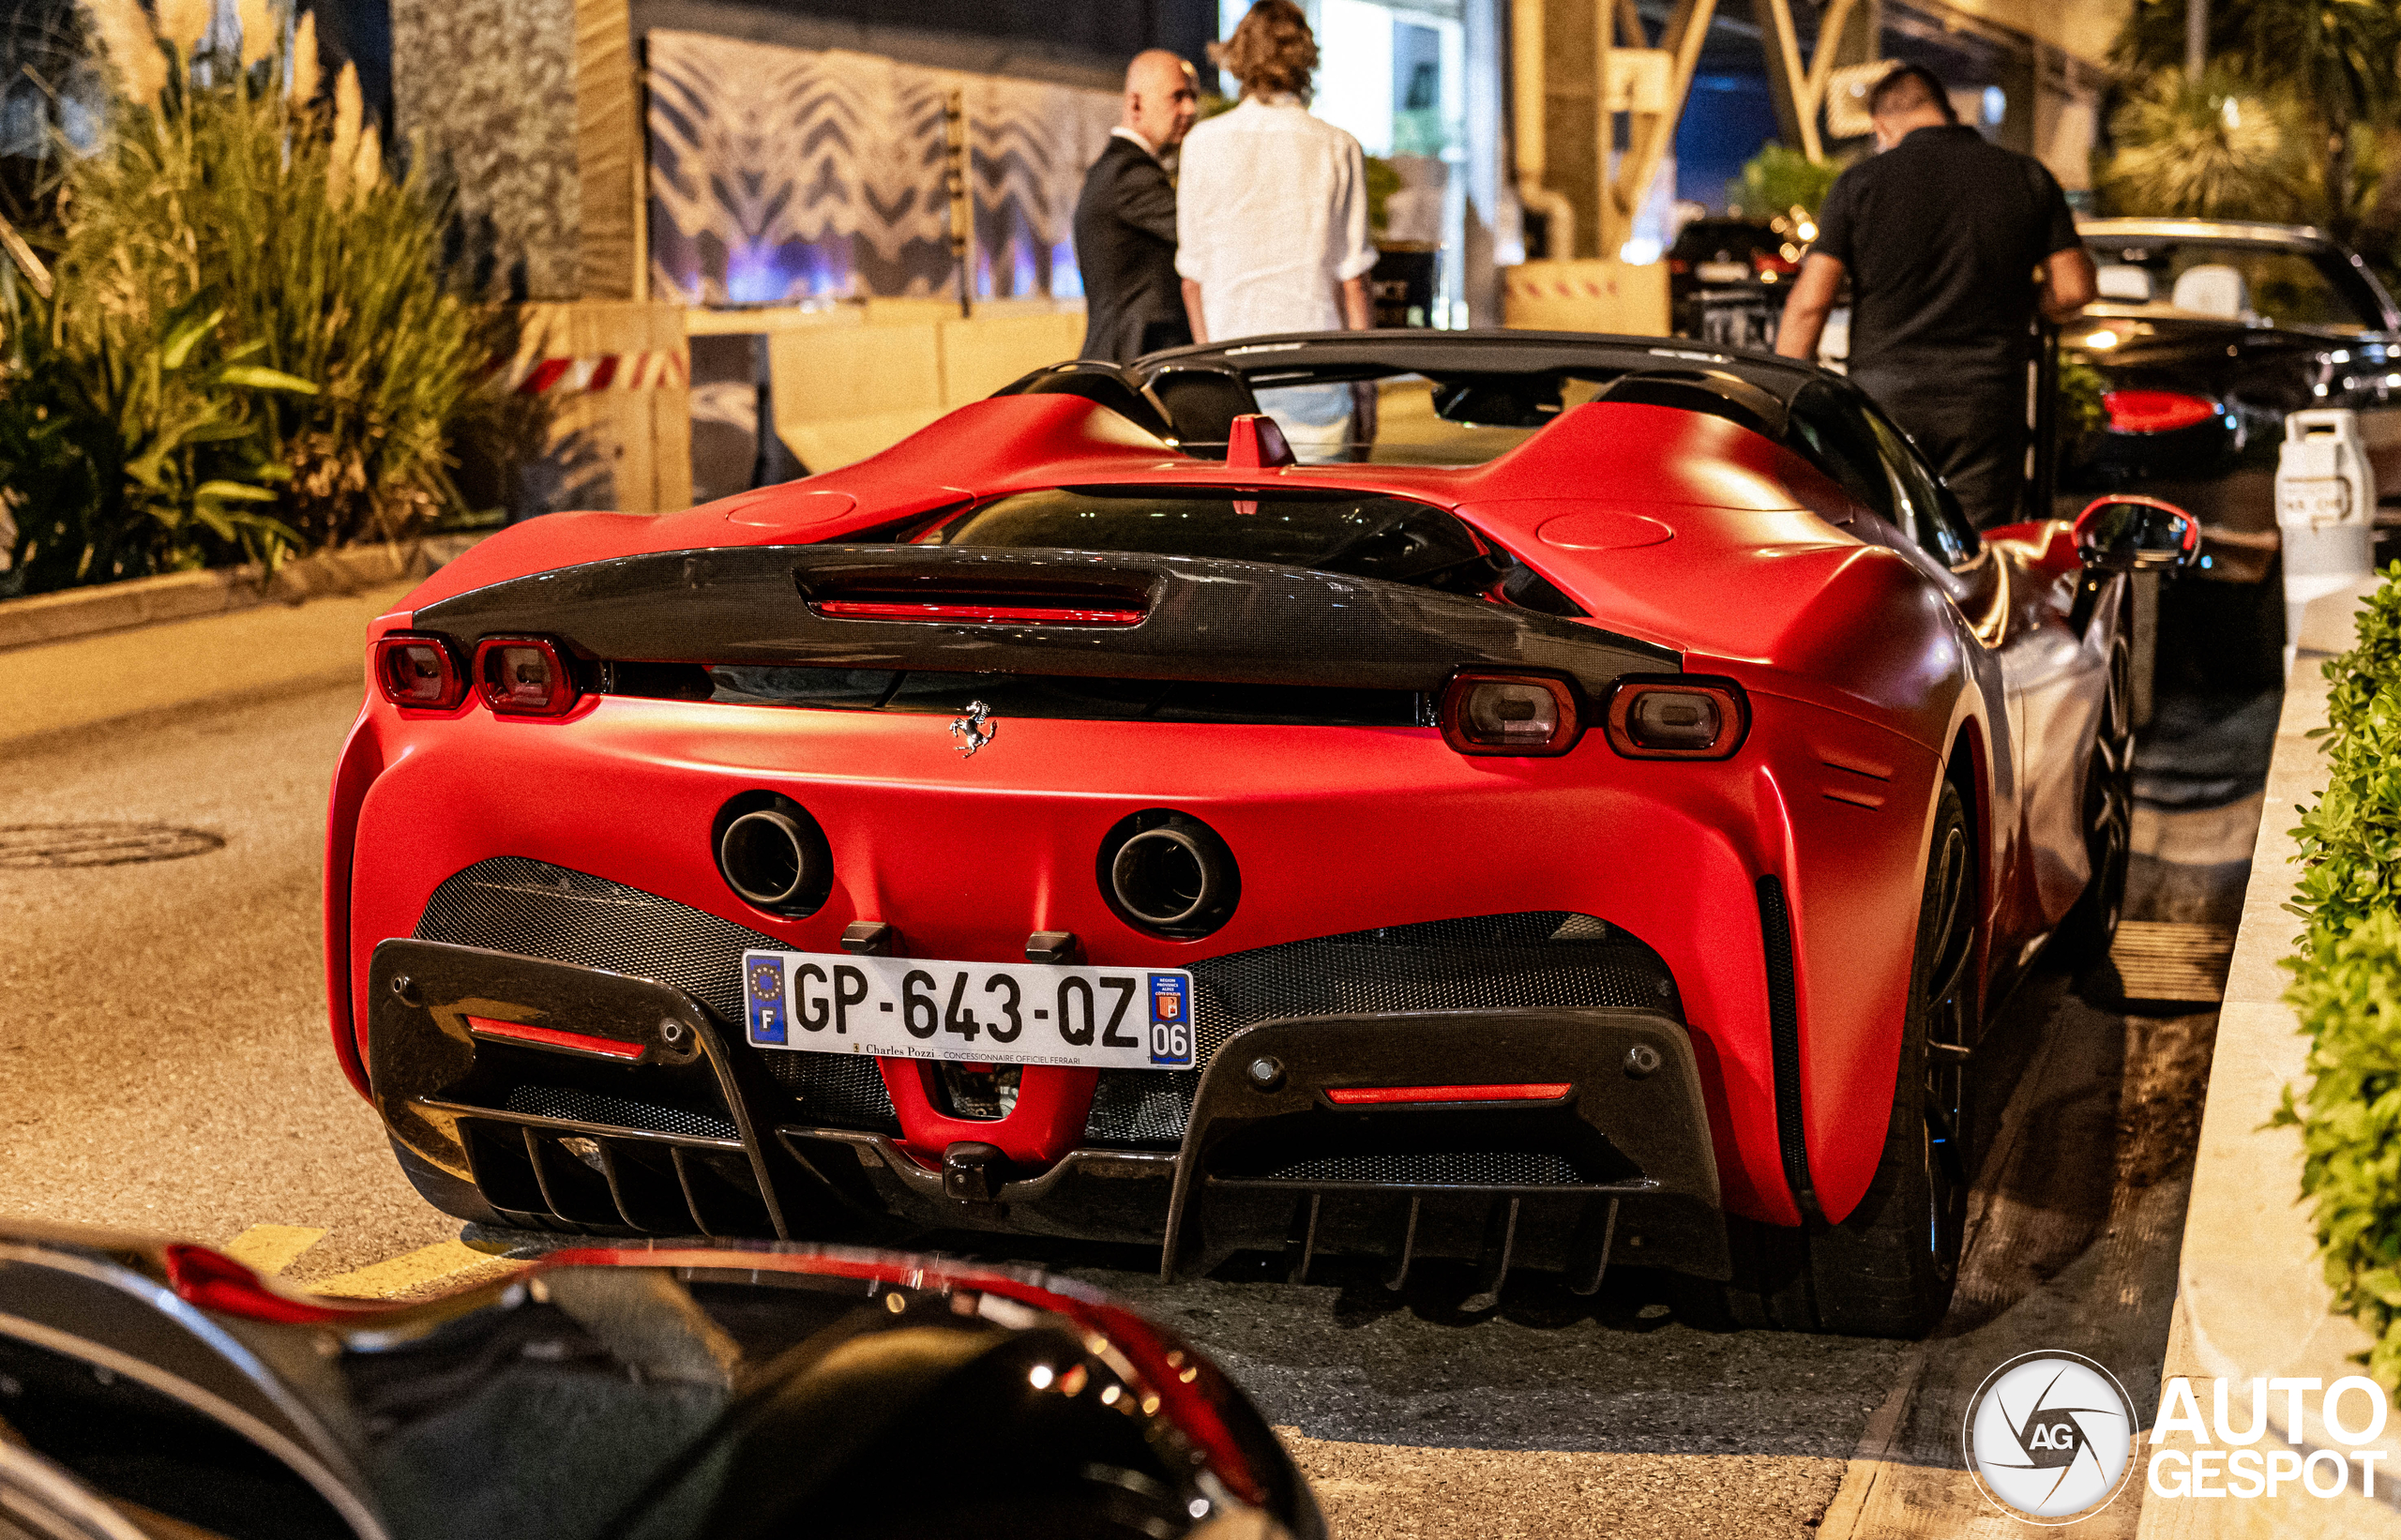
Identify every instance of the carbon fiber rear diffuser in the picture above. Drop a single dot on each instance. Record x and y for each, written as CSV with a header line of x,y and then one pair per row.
x,y
1548,1182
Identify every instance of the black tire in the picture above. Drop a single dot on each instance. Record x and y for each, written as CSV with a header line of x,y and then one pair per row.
x,y
2083,937
1889,1267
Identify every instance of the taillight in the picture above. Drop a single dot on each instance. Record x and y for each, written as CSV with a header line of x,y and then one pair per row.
x,y
2155,411
1676,719
973,613
1509,713
524,677
417,670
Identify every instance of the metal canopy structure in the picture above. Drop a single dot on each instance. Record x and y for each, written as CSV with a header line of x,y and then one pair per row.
x,y
1559,99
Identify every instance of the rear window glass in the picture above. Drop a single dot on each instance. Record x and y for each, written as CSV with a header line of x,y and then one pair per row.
x,y
1387,537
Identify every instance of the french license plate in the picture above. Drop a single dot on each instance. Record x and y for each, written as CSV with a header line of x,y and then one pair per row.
x,y
1722,272
1009,1013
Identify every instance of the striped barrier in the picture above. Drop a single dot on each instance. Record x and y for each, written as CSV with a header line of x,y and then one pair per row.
x,y
663,369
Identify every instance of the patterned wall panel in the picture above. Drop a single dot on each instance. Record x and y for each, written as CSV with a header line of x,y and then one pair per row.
x,y
780,175
490,85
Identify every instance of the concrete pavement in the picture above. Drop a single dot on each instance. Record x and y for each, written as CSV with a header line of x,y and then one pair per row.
x,y
58,686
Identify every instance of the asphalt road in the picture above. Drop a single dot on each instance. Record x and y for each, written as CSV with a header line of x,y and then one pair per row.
x,y
164,1062
164,1065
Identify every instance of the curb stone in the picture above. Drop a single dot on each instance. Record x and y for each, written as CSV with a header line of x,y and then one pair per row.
x,y
2252,1298
75,612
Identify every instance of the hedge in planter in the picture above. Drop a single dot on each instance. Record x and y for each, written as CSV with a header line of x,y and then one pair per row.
x,y
2348,983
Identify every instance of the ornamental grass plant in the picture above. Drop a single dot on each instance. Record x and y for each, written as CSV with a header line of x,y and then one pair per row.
x,y
2347,986
247,345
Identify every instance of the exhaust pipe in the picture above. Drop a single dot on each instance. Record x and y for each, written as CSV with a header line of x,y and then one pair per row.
x,y
1169,873
772,855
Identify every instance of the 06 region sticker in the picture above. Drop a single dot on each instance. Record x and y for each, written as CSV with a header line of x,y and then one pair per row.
x,y
1170,1021
763,982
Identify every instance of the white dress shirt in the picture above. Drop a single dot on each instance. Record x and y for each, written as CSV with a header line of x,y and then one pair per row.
x,y
1271,218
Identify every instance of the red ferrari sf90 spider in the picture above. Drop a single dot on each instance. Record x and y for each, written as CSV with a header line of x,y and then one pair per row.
x,y
1584,814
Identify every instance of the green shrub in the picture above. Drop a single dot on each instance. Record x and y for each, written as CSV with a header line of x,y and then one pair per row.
x,y
2347,986
1779,181
2081,388
2219,149
142,455
249,346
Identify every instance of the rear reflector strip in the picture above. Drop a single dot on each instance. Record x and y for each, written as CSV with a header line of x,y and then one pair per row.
x,y
983,614
573,1042
1385,1096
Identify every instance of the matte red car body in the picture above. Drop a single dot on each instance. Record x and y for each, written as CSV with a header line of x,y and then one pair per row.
x,y
1869,669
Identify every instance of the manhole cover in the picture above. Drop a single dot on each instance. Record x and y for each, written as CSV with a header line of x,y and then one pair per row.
x,y
100,844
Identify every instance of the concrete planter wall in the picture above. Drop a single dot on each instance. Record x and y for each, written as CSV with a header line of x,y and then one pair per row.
x,y
2252,1300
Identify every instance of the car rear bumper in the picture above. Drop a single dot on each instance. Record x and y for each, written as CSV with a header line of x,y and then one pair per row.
x,y
677,1127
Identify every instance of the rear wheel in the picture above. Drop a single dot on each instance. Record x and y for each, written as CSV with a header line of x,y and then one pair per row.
x,y
1889,1267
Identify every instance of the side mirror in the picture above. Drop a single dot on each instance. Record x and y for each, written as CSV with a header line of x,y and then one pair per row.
x,y
2136,535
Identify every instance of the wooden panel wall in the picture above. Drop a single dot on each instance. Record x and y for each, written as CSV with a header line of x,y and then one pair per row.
x,y
608,152
843,393
622,432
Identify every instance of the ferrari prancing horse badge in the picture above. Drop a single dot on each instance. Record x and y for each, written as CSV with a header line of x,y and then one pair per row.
x,y
976,726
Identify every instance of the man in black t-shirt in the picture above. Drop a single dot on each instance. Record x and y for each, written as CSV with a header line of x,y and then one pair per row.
x,y
1943,234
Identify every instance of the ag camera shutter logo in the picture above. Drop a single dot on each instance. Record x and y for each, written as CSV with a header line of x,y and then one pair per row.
x,y
2049,1437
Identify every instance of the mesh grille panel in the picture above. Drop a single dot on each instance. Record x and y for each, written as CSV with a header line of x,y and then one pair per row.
x,y
1540,959
535,909
838,1090
538,910
1440,1168
1141,1106
559,1101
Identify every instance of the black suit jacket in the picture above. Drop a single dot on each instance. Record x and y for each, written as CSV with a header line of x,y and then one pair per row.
x,y
1125,246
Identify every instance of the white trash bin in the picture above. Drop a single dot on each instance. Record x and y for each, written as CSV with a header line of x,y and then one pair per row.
x,y
2325,510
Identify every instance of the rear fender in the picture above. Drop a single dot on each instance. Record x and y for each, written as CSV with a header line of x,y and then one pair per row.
x,y
361,761
1857,822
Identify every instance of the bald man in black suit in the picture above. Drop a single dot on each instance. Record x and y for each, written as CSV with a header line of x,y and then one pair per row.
x,y
1126,219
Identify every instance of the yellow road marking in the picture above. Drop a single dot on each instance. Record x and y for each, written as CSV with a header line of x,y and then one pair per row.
x,y
411,1271
271,1248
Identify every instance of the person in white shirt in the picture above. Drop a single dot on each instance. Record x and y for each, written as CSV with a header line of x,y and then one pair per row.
x,y
1271,220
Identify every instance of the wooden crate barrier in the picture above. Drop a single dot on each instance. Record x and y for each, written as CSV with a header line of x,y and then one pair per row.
x,y
618,374
846,389
1586,295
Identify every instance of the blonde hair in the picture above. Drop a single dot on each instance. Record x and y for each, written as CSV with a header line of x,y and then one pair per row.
x,y
1272,51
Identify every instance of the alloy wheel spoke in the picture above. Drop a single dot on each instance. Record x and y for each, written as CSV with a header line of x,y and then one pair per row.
x,y
1957,943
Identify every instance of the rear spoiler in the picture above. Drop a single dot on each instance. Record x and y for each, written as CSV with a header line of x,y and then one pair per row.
x,y
956,609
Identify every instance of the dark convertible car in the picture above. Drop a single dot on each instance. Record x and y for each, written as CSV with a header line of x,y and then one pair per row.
x,y
2206,333
154,1389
